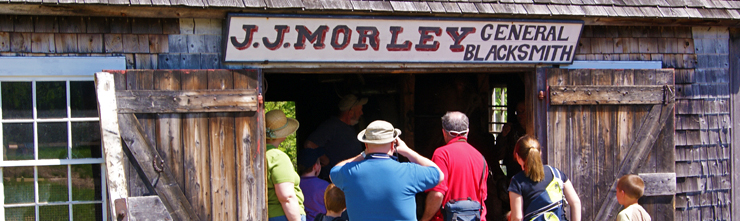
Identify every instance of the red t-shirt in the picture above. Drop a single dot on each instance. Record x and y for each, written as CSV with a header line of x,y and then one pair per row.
x,y
463,167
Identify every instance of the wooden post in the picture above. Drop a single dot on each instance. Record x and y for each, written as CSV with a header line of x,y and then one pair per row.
x,y
735,116
116,178
407,111
539,108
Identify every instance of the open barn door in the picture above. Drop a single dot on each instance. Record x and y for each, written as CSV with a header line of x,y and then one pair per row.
x,y
194,137
602,124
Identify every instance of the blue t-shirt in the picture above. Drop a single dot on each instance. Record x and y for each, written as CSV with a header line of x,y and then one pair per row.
x,y
530,190
313,196
383,189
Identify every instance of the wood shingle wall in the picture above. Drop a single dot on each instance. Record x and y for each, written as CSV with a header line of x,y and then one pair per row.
x,y
702,130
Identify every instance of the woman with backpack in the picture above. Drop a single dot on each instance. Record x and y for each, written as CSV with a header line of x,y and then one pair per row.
x,y
539,193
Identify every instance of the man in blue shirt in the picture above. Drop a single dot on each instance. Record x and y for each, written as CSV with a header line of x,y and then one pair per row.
x,y
378,187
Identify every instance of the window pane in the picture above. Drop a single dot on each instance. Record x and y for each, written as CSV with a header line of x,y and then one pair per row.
x,y
18,183
87,212
54,213
52,140
20,213
83,99
53,184
18,141
51,99
17,101
86,182
86,140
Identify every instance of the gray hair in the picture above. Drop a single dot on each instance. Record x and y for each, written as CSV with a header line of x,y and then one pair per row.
x,y
454,121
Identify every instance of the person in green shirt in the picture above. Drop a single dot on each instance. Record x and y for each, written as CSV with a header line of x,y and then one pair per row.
x,y
284,196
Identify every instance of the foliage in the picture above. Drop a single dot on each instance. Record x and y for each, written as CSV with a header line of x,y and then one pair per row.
x,y
289,145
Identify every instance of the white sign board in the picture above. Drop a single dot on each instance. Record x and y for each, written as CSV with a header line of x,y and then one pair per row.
x,y
258,38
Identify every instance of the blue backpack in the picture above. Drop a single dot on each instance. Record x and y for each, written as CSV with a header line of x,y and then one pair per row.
x,y
548,206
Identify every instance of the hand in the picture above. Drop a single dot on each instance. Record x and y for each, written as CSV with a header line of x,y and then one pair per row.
x,y
505,130
402,148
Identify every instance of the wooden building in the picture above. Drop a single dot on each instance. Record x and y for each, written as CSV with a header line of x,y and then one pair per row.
x,y
649,88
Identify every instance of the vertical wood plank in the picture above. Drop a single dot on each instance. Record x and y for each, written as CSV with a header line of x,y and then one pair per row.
x,y
113,43
223,171
4,41
114,156
250,153
42,43
23,24
408,85
158,44
72,24
196,148
65,43
97,25
6,23
141,80
169,126
46,24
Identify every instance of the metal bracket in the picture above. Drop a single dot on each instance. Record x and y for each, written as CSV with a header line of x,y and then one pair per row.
x,y
121,209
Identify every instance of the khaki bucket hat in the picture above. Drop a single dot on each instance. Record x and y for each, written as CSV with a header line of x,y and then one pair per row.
x,y
379,132
279,126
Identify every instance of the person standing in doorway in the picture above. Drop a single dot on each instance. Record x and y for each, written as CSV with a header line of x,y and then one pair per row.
x,y
313,187
465,169
336,135
284,195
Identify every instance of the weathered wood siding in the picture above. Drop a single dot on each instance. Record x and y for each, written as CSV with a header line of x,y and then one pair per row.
x,y
222,177
699,56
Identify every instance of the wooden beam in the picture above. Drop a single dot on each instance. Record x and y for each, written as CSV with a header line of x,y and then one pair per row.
x,y
150,101
114,171
592,95
735,116
646,136
407,109
152,164
659,184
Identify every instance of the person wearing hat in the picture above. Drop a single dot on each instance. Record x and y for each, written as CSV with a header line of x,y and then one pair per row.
x,y
336,135
284,196
313,187
378,187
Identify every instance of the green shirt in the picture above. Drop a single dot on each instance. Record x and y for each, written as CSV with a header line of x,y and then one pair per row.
x,y
280,170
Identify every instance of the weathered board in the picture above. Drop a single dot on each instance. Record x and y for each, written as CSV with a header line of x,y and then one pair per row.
x,y
210,162
595,143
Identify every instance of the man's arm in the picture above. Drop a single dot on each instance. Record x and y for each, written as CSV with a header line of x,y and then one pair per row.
x,y
434,202
357,158
416,158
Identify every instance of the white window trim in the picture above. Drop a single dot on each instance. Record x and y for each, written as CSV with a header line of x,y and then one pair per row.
x,y
54,69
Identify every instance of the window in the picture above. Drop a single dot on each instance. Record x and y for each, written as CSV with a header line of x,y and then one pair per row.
x,y
498,111
51,162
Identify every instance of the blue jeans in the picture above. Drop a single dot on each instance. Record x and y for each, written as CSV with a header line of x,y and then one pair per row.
x,y
283,218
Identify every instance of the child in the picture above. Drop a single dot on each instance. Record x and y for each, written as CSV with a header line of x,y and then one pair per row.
x,y
335,205
630,188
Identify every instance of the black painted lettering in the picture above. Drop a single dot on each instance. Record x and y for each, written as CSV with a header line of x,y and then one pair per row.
x,y
551,34
555,51
484,34
469,52
425,37
536,50
316,37
458,37
393,46
510,52
500,56
477,49
547,53
367,33
281,30
566,52
560,34
491,51
500,29
515,32
527,32
540,32
523,52
250,29
345,32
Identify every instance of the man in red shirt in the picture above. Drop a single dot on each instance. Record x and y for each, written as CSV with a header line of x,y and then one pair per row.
x,y
463,166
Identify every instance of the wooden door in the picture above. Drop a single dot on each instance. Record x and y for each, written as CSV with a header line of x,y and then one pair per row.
x,y
191,137
602,124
